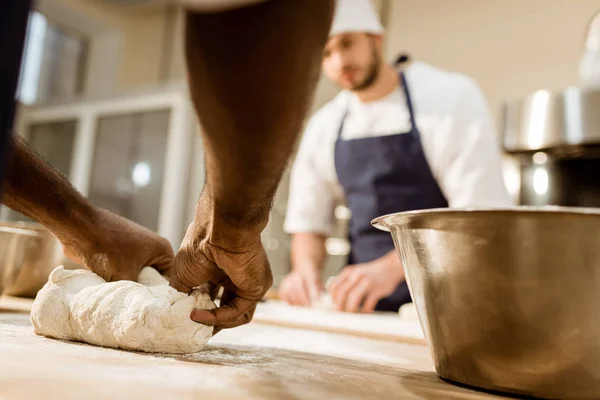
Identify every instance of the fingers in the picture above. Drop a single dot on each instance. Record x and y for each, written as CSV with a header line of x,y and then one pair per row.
x,y
335,282
213,290
313,288
342,287
249,271
242,320
370,303
179,285
301,294
186,275
356,295
226,297
288,290
226,314
299,291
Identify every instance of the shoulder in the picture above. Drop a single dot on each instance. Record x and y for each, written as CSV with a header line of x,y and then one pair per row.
x,y
326,119
441,89
330,111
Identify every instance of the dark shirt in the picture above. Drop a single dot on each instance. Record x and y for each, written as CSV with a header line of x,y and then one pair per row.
x,y
14,15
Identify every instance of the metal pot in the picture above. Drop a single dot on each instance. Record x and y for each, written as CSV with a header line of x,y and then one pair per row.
x,y
508,299
28,253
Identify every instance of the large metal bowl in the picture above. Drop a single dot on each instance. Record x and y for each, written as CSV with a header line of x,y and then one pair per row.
x,y
509,300
28,253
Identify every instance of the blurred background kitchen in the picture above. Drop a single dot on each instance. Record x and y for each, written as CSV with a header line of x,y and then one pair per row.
x,y
103,98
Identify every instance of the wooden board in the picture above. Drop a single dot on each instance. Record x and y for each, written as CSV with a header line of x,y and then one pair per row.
x,y
15,304
385,326
254,361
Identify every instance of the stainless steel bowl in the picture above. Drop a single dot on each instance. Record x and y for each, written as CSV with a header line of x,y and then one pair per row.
x,y
509,300
28,253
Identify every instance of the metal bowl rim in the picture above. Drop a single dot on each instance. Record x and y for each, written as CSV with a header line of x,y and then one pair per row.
x,y
384,222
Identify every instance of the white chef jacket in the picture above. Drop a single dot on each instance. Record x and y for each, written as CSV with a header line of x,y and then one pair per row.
x,y
457,135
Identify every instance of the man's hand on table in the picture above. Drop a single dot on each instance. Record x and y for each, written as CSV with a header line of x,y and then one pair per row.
x,y
116,248
359,287
301,287
226,257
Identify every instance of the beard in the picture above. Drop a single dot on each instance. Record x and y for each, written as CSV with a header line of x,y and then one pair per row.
x,y
372,71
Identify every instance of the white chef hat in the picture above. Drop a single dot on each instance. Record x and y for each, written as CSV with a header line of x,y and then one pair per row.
x,y
355,16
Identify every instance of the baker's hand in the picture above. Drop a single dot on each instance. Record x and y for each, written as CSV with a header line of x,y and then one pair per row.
x,y
229,258
358,288
116,248
301,287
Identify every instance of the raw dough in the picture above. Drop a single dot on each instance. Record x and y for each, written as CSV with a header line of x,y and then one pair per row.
x,y
147,316
408,311
324,302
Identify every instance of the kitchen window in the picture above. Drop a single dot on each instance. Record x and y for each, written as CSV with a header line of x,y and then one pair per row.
x,y
53,62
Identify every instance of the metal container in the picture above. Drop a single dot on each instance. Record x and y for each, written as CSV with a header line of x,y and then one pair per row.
x,y
28,253
508,299
553,121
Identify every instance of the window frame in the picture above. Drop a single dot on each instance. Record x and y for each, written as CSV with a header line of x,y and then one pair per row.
x,y
173,211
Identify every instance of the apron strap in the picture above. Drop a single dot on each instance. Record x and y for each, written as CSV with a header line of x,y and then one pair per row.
x,y
341,128
409,103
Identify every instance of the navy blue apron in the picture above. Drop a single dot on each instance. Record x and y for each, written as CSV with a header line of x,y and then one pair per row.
x,y
382,175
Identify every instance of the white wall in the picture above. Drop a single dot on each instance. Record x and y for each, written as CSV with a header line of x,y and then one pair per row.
x,y
126,44
511,47
142,49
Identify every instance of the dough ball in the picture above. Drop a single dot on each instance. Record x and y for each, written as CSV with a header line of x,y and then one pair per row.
x,y
148,315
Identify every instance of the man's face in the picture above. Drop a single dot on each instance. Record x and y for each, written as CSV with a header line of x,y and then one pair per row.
x,y
352,60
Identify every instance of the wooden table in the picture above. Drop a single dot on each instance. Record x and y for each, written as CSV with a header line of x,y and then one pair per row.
x,y
256,361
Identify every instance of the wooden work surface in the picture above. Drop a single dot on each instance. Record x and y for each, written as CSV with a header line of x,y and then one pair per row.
x,y
256,361
252,362
385,326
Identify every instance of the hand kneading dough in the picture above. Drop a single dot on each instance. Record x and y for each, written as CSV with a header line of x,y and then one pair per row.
x,y
147,316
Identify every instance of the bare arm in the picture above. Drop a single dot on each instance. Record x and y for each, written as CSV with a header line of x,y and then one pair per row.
x,y
303,285
252,72
308,252
40,192
111,246
359,287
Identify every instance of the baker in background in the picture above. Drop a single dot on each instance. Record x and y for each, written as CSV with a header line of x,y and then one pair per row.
x,y
399,137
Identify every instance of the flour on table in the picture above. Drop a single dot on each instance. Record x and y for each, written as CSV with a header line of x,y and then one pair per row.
x,y
324,301
148,315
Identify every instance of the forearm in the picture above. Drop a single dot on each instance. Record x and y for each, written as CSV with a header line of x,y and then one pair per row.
x,y
36,189
252,72
308,251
